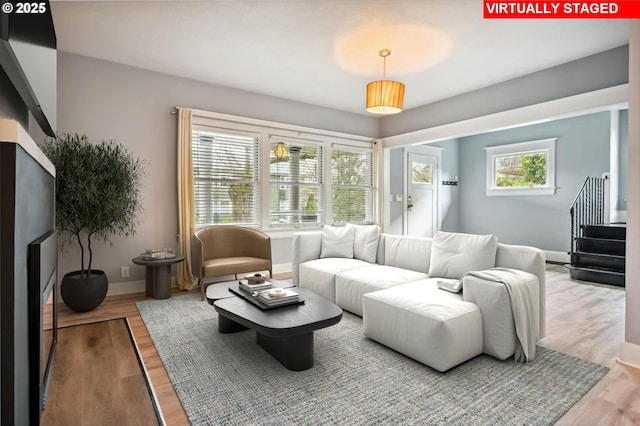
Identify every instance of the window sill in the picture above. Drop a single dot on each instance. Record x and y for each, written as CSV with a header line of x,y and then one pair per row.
x,y
520,191
277,234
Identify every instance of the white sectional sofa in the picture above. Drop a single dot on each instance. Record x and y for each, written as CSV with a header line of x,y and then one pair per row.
x,y
392,281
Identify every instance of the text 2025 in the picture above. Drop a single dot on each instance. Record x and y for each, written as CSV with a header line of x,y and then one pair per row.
x,y
31,7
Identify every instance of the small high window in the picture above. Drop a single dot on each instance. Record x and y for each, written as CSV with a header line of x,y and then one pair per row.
x,y
526,168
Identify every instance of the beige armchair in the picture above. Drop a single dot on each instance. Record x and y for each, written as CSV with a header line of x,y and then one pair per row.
x,y
229,250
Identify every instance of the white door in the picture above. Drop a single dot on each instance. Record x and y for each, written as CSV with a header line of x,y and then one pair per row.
x,y
422,194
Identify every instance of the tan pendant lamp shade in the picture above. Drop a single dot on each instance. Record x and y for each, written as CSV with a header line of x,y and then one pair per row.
x,y
385,96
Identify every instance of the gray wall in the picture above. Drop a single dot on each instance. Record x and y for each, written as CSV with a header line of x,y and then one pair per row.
x,y
11,105
582,149
449,194
623,158
396,186
133,106
606,69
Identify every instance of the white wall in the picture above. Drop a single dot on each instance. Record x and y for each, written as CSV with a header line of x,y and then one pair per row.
x,y
630,348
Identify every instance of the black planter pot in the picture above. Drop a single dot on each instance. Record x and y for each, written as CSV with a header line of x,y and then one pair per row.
x,y
84,294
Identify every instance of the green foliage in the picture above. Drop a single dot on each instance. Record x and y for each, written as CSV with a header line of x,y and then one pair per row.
x,y
311,206
522,170
347,198
534,167
97,189
241,195
505,181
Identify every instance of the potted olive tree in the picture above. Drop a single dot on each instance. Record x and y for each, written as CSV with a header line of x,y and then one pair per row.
x,y
97,197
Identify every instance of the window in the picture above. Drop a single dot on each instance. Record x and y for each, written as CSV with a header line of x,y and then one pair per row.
x,y
421,173
295,173
525,168
225,177
278,177
352,184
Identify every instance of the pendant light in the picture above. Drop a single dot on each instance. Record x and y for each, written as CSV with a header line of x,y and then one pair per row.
x,y
385,96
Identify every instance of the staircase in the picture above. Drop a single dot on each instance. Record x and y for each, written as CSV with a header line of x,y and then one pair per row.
x,y
597,249
599,255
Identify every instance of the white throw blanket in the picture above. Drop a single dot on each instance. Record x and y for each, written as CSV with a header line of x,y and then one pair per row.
x,y
524,294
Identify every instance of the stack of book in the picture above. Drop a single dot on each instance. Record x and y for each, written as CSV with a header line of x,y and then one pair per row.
x,y
161,253
279,296
253,287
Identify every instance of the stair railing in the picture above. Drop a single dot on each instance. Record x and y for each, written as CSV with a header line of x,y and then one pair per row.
x,y
587,208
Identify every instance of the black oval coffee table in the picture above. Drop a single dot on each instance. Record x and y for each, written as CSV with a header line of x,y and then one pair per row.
x,y
286,333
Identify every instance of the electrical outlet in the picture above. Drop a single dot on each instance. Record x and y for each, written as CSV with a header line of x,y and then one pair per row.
x,y
124,271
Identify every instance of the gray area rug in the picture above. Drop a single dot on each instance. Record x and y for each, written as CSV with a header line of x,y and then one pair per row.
x,y
229,379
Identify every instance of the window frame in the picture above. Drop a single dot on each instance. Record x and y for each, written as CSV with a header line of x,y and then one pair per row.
x,y
371,186
218,122
320,184
255,182
548,146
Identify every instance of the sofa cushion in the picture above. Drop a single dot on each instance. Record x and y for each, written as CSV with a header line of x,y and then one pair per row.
x,y
365,241
337,241
407,252
352,284
319,275
453,254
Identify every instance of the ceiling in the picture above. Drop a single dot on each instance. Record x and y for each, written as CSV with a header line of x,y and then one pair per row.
x,y
324,52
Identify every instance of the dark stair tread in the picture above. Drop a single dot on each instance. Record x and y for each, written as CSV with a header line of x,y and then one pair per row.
x,y
615,240
610,262
600,256
607,231
597,275
600,245
604,255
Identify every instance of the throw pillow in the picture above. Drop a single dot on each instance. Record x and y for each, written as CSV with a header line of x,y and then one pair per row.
x,y
453,254
365,242
337,242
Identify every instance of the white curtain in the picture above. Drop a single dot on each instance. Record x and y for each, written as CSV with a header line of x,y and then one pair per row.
x,y
186,216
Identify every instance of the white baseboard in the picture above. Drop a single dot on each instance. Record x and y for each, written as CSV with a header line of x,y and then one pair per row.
x,y
125,287
629,355
557,256
128,287
618,216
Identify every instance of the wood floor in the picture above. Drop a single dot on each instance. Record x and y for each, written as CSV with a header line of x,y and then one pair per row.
x,y
111,389
583,319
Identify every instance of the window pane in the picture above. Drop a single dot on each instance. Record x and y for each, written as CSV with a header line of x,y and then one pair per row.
x,y
421,173
225,178
296,181
352,185
521,170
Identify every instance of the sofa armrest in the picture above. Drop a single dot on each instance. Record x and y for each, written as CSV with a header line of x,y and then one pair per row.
x,y
498,327
306,246
528,259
